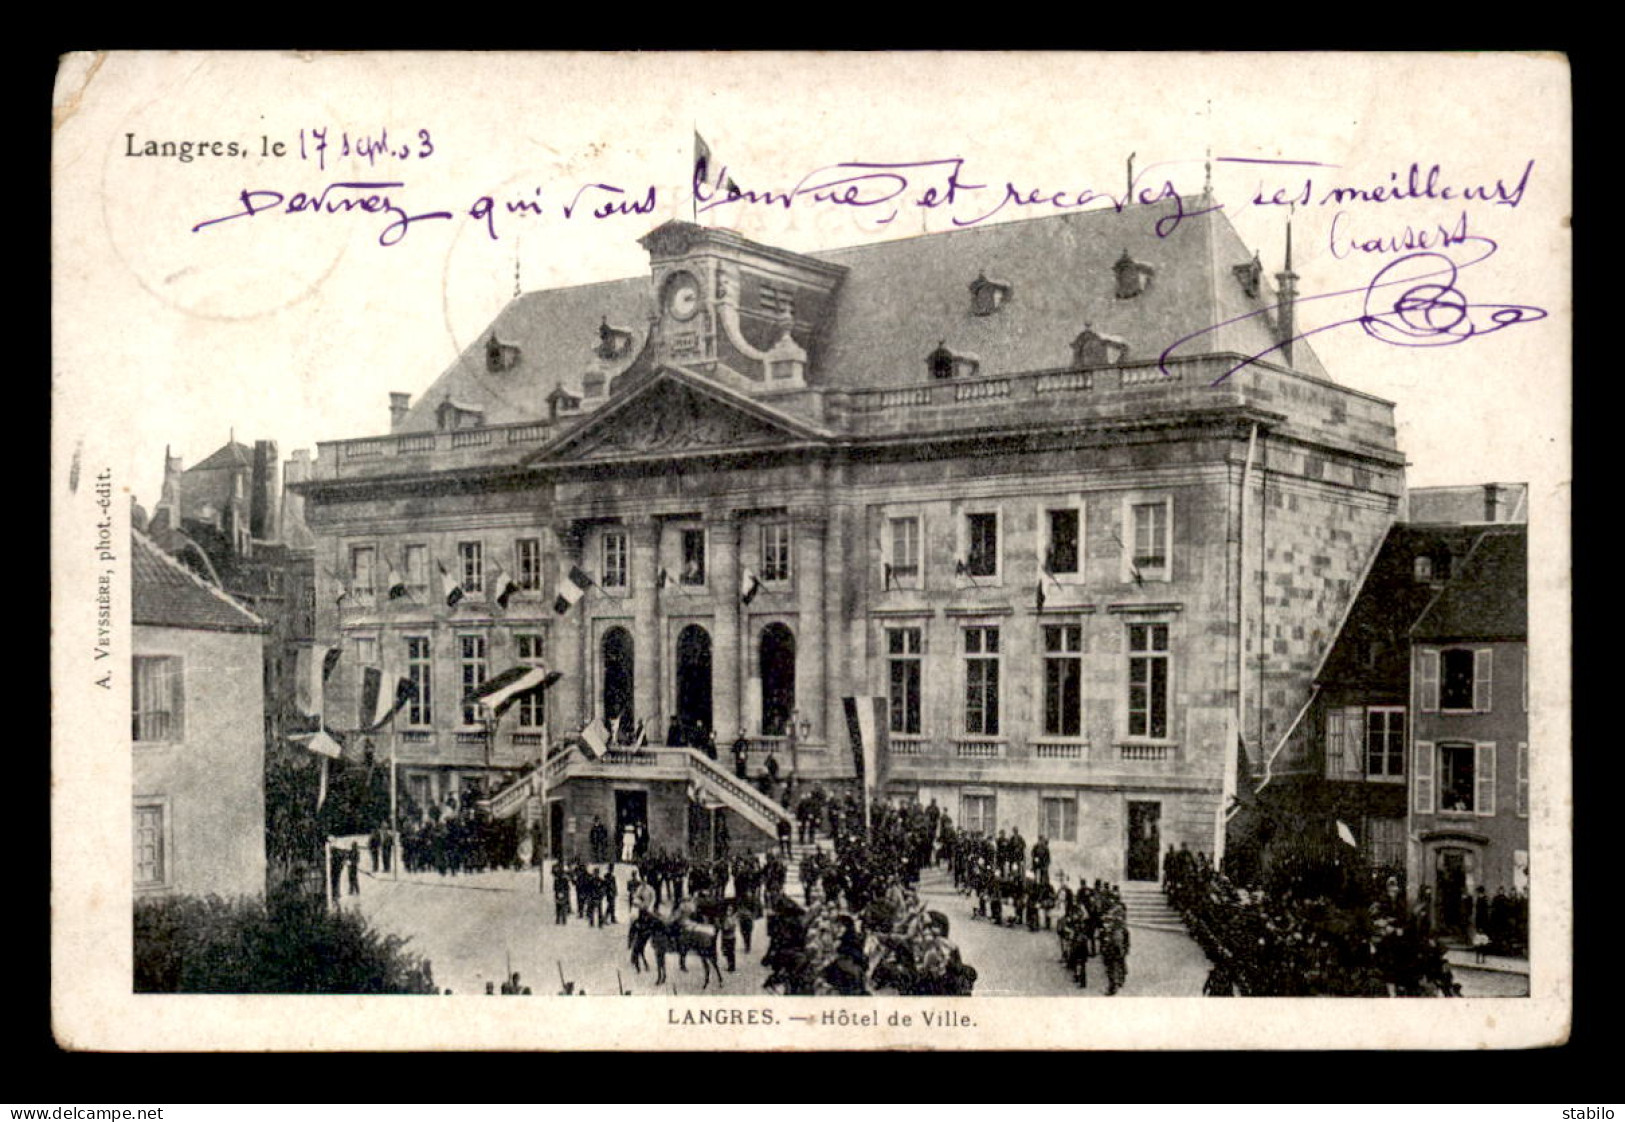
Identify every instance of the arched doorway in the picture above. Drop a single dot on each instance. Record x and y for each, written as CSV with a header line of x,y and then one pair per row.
x,y
694,683
778,668
618,670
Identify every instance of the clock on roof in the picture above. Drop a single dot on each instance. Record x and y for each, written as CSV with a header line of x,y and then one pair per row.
x,y
682,296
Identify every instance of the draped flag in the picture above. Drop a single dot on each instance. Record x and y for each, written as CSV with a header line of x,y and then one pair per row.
x,y
595,738
571,589
308,678
330,660
376,711
498,694
508,588
1346,834
455,589
397,585
324,745
866,728
749,585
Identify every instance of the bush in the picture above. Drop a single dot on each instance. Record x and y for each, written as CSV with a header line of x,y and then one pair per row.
x,y
288,944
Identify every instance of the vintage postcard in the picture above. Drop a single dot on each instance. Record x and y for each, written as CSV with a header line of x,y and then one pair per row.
x,y
948,551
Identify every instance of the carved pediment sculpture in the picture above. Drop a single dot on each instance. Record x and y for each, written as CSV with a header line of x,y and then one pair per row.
x,y
675,418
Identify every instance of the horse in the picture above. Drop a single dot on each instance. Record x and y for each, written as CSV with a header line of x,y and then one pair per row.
x,y
642,929
698,938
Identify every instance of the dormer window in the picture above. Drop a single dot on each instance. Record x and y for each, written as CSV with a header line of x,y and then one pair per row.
x,y
592,385
1093,348
1250,276
560,402
613,343
452,415
1424,570
943,364
500,356
1133,277
987,296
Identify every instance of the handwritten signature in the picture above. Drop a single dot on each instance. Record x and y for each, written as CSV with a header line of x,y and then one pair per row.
x,y
1430,309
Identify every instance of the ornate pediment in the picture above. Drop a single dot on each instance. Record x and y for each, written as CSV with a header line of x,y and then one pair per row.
x,y
671,416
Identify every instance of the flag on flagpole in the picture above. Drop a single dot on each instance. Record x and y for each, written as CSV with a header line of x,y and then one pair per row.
x,y
508,589
748,586
571,589
324,745
329,661
1346,834
662,579
405,691
702,159
890,576
372,687
1040,595
595,738
498,694
455,592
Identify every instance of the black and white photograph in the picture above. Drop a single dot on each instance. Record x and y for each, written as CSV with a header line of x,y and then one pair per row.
x,y
848,551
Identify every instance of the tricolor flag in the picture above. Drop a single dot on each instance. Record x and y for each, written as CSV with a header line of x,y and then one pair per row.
x,y
499,693
571,589
1346,834
376,712
748,586
595,738
508,589
397,586
887,570
867,728
456,589
702,159
662,579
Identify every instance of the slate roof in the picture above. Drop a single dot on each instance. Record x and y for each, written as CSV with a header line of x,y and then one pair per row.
x,y
232,454
899,298
1488,597
1386,606
164,593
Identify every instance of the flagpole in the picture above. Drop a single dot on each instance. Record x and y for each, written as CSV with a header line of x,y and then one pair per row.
x,y
394,813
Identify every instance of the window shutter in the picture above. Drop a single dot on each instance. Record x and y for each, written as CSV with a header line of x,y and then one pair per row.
x,y
1523,780
1481,681
1424,777
1484,769
1334,742
1430,681
1354,743
885,536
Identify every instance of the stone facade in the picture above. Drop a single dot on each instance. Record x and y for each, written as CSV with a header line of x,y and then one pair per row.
x,y
1080,585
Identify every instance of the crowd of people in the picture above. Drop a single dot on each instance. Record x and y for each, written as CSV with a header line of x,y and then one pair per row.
x,y
450,839
1316,929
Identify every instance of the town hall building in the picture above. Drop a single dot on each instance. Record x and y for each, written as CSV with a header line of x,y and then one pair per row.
x,y
958,472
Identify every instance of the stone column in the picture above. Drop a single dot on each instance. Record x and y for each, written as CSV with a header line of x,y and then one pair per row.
x,y
809,528
567,649
722,533
644,534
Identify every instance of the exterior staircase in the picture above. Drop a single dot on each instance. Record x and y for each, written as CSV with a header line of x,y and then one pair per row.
x,y
1149,908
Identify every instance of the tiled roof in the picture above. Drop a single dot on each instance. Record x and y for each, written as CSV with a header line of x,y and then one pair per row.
x,y
1488,597
164,593
899,298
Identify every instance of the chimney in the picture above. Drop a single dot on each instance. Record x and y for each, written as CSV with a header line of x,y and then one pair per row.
x,y
1286,286
1494,508
399,403
265,492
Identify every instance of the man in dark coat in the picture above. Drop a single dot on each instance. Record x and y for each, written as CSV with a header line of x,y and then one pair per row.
x,y
355,869
741,750
599,837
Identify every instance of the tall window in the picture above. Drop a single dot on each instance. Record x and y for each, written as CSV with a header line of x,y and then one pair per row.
x,y
693,557
1458,775
156,714
903,650
1460,680
471,557
1060,818
1063,680
151,858
776,656
776,551
614,558
420,670
1062,553
982,681
982,544
1385,742
531,650
905,552
416,558
1148,680
1149,559
978,814
528,558
471,658
363,565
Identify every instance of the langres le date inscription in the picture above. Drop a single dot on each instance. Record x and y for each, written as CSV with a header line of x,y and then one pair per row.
x,y
317,145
